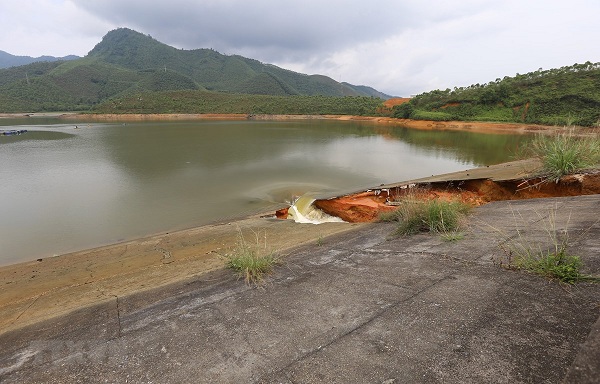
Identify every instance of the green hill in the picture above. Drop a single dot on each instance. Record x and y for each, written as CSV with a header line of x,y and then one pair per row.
x,y
214,71
220,102
564,96
127,62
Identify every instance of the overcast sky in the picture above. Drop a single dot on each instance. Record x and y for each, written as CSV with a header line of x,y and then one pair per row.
x,y
400,47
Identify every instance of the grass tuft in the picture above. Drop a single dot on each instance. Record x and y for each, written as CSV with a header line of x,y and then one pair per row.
x,y
251,261
389,216
548,258
452,236
320,241
438,216
565,154
561,266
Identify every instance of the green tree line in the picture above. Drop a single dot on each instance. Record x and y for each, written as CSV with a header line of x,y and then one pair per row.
x,y
568,95
199,101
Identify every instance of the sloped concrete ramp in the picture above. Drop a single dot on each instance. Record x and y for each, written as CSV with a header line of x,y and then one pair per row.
x,y
362,307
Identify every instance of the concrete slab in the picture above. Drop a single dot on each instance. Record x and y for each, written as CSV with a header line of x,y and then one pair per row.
x,y
360,307
498,172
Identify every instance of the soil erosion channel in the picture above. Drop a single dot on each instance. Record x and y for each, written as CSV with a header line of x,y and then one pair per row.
x,y
508,181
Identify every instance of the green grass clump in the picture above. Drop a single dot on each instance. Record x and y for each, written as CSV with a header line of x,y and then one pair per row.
x,y
431,115
251,261
389,216
548,257
560,265
437,216
566,154
452,236
320,241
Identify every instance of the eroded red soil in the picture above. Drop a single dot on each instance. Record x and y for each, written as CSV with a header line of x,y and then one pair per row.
x,y
366,206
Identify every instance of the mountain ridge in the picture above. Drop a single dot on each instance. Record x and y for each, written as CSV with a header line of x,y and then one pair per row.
x,y
125,62
8,60
215,71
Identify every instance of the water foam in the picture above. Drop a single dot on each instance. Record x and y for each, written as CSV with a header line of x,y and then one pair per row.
x,y
303,211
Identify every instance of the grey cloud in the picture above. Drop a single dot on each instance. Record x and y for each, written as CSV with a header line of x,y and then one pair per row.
x,y
398,46
275,28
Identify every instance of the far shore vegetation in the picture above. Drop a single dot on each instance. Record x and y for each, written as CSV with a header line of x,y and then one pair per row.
x,y
129,72
564,96
215,102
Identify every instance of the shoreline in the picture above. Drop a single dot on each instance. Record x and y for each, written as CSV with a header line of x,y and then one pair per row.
x,y
480,127
471,126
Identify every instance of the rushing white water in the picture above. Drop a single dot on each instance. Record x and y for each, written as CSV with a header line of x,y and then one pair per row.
x,y
303,211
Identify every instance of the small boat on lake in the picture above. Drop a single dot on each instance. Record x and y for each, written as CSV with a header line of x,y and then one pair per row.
x,y
13,132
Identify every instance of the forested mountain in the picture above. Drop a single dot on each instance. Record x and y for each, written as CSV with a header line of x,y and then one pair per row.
x,y
7,60
126,62
564,96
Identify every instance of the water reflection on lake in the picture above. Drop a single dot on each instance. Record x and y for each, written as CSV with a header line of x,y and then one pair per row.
x,y
65,189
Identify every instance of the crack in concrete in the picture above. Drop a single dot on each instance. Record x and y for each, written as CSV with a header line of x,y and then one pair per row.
x,y
26,309
353,330
120,330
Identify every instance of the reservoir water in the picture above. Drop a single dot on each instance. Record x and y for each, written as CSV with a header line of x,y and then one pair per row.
x,y
65,188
